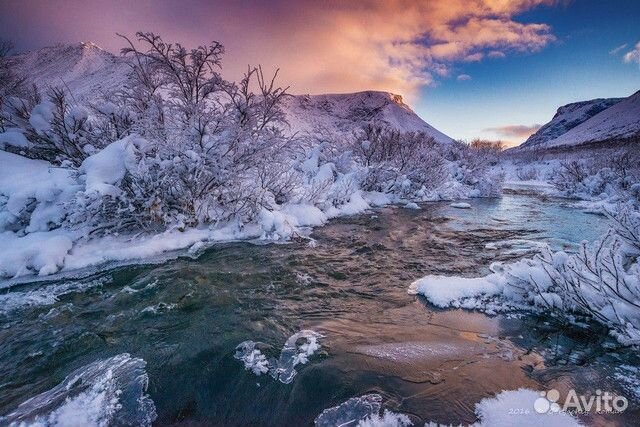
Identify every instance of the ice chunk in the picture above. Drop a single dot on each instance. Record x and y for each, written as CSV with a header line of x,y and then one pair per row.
x,y
107,392
460,205
252,358
294,354
363,411
351,412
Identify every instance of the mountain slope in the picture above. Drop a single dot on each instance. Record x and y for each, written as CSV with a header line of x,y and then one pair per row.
x,y
343,113
620,121
84,68
88,71
567,117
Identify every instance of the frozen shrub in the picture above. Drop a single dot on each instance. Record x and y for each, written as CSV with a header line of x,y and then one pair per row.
x,y
397,162
527,173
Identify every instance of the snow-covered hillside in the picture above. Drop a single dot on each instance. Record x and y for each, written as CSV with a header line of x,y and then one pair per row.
x,y
622,120
567,117
85,69
597,120
89,71
342,113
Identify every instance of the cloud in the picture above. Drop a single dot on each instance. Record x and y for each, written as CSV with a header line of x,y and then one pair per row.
x,y
618,49
514,131
329,46
633,56
463,77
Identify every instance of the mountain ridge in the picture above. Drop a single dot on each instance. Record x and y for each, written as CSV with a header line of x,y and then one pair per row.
x,y
89,71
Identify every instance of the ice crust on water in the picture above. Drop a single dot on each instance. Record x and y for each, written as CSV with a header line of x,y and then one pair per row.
x,y
107,392
363,411
460,205
292,354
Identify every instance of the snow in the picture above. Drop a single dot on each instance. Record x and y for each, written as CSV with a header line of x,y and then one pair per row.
x,y
412,205
516,407
41,116
13,138
107,167
40,252
32,190
460,205
444,291
557,282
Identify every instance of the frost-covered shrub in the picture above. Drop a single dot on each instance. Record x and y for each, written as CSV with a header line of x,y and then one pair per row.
x,y
397,162
470,166
610,177
527,173
55,129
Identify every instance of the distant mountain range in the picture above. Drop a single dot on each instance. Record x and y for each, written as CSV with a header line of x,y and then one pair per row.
x,y
89,71
598,120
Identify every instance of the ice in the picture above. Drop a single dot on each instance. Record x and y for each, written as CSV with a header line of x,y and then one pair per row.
x,y
460,205
106,392
252,358
351,412
293,353
363,411
412,205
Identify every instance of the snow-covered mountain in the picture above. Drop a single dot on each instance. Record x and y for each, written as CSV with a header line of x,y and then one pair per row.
x,y
89,71
84,68
567,117
620,121
599,120
341,113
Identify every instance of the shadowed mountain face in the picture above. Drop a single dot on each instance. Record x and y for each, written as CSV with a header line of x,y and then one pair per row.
x,y
567,117
598,120
89,72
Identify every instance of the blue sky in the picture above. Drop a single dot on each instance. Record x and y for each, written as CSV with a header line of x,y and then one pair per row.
x,y
526,89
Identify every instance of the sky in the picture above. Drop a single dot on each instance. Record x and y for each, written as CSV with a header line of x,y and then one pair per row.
x,y
495,69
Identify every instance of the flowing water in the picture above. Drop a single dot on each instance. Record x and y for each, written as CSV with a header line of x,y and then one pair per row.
x,y
185,317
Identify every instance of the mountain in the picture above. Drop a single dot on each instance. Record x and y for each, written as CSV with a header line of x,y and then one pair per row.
x,y
342,113
89,71
596,121
567,117
620,121
84,68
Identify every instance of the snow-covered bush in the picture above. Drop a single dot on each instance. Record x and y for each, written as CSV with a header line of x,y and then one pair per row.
x,y
214,150
601,281
610,177
397,162
55,129
527,173
471,166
